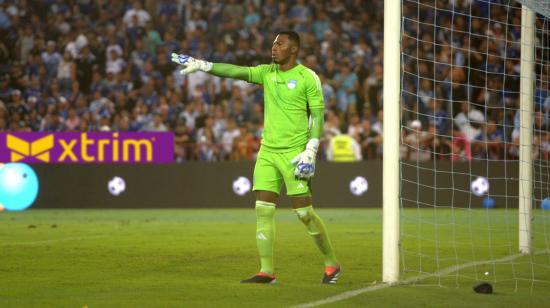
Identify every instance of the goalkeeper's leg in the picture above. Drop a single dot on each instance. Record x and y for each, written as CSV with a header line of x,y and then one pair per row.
x,y
318,231
265,236
267,184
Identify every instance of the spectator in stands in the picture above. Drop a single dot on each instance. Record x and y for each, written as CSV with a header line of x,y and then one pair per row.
x,y
466,119
136,10
343,148
207,149
228,139
374,88
355,129
347,84
378,126
17,106
459,145
66,73
417,142
51,59
489,143
156,125
244,145
370,141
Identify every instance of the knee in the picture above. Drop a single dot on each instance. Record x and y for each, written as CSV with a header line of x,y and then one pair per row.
x,y
304,214
264,209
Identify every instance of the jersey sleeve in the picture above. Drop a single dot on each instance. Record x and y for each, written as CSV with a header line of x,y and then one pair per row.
x,y
230,70
314,90
256,73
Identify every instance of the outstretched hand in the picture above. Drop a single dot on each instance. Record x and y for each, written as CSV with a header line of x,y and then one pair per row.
x,y
191,64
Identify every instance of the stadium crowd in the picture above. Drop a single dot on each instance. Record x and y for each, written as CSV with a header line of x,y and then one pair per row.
x,y
85,65
461,81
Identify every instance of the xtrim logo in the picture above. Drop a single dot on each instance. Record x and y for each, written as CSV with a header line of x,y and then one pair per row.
x,y
87,147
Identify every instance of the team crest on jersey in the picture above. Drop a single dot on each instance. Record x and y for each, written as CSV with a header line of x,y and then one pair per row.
x,y
292,84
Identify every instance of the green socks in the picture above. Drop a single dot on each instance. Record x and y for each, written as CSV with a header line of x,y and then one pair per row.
x,y
316,228
265,234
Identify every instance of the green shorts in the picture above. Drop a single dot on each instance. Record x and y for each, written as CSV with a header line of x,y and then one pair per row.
x,y
272,169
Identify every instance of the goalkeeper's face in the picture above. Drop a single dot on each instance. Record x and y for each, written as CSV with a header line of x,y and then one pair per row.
x,y
282,49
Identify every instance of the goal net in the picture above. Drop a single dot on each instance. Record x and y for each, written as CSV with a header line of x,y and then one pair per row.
x,y
471,153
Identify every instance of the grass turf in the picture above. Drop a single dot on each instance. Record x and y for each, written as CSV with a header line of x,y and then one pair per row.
x,y
195,258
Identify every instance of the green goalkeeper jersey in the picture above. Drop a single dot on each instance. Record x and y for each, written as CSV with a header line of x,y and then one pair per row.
x,y
288,97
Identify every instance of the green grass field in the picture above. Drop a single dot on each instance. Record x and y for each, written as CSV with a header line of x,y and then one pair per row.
x,y
195,258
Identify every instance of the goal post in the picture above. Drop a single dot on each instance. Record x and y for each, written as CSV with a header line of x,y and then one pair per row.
x,y
391,129
526,128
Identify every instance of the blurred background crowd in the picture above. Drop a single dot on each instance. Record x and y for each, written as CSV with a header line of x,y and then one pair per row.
x,y
85,65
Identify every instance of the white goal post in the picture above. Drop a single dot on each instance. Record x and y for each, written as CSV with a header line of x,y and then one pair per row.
x,y
526,131
391,143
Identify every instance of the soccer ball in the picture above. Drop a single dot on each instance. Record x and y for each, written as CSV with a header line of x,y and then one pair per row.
x,y
241,186
480,186
116,186
358,186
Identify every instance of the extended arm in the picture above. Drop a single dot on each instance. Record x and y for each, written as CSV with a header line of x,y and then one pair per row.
x,y
218,69
230,70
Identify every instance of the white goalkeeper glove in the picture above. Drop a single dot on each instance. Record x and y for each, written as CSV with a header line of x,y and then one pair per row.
x,y
305,161
191,64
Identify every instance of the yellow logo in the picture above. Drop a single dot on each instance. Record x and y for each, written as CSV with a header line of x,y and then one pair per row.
x,y
21,148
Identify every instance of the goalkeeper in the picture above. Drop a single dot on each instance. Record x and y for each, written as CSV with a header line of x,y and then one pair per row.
x,y
292,95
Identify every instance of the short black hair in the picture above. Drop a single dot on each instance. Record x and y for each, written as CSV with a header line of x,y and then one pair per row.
x,y
292,35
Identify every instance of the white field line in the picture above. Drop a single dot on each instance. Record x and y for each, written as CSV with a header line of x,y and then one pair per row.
x,y
445,271
53,241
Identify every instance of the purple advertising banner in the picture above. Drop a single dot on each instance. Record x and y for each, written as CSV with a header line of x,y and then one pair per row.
x,y
87,147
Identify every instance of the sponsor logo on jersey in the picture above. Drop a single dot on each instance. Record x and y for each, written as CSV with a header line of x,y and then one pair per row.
x,y
292,84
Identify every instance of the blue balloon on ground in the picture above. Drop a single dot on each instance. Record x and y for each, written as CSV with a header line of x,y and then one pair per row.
x,y
488,203
545,204
18,186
